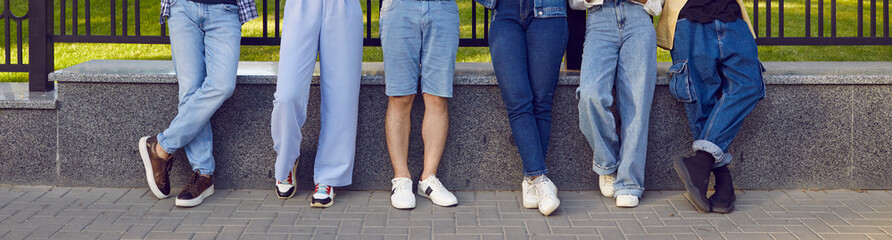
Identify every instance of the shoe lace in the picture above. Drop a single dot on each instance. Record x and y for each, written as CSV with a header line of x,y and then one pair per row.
x,y
541,186
322,188
289,180
435,184
609,178
192,187
404,185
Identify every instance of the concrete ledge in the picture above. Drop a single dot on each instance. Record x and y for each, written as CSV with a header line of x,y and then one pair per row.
x,y
28,135
823,125
17,96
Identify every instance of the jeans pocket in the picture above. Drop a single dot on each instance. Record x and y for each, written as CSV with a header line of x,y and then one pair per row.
x,y
762,79
230,8
449,6
680,85
388,5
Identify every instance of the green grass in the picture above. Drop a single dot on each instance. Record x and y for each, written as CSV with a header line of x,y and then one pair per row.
x,y
68,54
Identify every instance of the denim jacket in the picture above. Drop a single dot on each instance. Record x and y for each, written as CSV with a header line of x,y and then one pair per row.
x,y
544,8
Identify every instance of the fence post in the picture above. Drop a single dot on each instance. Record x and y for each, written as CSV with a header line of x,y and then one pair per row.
x,y
41,47
576,23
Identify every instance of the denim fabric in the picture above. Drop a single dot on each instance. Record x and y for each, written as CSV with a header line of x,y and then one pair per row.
x,y
619,53
526,56
419,37
543,8
204,42
331,30
717,74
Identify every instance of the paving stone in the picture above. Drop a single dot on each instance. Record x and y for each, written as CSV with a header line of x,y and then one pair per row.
x,y
667,230
610,233
844,236
263,217
803,233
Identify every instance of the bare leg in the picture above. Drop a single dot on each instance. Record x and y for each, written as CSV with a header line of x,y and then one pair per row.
x,y
396,128
434,129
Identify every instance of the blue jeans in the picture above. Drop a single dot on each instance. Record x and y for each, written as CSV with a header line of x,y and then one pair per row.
x,y
419,37
619,52
526,56
717,74
204,42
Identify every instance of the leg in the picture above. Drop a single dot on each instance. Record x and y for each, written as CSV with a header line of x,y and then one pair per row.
x,y
340,52
222,47
511,69
397,125
401,45
546,42
742,88
694,81
636,79
696,56
434,130
439,50
297,60
598,74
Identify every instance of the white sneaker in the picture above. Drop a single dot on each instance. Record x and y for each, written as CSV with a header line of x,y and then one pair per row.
x,y
323,196
605,183
401,196
530,195
540,193
432,188
626,201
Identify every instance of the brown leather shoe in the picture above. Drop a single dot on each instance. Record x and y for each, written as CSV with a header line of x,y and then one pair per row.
x,y
157,168
200,187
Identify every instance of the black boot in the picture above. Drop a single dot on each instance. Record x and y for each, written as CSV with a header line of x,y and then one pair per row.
x,y
694,173
722,201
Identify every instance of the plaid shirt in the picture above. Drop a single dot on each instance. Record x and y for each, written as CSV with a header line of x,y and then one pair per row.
x,y
246,10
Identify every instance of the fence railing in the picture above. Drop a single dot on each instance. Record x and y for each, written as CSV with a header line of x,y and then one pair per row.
x,y
777,22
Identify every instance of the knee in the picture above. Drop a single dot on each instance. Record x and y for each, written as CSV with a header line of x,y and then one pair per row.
x,y
592,96
401,102
224,88
435,103
288,97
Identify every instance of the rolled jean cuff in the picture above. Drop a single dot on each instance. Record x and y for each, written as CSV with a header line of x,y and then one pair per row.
x,y
721,157
634,191
203,171
536,173
601,170
164,147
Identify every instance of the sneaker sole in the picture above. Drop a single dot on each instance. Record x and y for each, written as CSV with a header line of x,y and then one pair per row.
x,y
682,171
276,190
150,174
423,194
197,200
626,205
407,207
320,205
293,183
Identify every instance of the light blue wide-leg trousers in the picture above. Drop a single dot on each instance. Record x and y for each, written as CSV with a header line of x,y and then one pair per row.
x,y
333,30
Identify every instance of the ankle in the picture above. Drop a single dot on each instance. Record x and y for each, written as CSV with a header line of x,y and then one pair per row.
x,y
424,176
160,152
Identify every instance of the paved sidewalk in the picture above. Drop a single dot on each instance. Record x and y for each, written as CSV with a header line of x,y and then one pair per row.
x,y
113,213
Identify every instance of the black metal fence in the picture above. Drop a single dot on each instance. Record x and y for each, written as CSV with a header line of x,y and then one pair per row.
x,y
71,21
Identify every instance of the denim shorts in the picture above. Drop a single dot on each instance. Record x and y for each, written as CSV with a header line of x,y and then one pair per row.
x,y
420,42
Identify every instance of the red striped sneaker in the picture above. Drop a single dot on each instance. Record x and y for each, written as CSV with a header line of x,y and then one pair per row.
x,y
323,196
286,189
